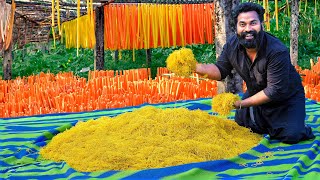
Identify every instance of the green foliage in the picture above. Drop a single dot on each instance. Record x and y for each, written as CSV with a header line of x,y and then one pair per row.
x,y
309,36
203,53
33,59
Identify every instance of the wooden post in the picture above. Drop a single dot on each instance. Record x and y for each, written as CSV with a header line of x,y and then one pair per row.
x,y
116,56
294,32
7,63
148,61
224,29
99,49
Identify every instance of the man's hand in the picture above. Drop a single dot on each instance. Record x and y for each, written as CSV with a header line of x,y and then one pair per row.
x,y
209,70
255,100
238,105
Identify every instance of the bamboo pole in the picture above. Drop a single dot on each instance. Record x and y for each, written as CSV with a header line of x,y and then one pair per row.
x,y
277,14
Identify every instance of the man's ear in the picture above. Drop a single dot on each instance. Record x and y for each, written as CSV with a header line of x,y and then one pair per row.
x,y
262,26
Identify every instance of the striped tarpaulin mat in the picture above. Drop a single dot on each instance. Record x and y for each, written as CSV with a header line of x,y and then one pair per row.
x,y
21,139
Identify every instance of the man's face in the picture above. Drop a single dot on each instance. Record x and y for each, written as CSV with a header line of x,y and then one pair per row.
x,y
248,27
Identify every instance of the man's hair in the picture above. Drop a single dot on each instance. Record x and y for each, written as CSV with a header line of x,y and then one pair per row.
x,y
246,7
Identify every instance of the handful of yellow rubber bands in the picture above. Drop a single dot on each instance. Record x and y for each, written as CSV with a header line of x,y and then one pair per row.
x,y
223,103
182,62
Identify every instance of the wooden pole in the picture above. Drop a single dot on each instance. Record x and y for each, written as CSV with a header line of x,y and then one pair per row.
x,y
148,60
116,56
7,63
223,30
294,32
99,33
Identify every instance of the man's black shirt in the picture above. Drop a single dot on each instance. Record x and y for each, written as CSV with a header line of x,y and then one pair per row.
x,y
271,71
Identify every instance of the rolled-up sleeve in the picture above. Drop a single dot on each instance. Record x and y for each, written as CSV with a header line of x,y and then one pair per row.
x,y
223,63
278,72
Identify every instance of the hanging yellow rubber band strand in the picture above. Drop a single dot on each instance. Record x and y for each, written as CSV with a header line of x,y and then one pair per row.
x,y
78,30
92,30
58,16
268,16
277,14
181,30
52,23
288,7
127,15
90,22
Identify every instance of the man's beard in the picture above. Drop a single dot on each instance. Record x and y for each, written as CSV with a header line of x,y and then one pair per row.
x,y
249,43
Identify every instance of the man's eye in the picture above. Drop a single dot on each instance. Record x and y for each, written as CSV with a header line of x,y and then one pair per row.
x,y
254,23
242,24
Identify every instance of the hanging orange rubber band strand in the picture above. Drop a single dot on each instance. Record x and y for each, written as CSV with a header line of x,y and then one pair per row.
x,y
7,33
6,24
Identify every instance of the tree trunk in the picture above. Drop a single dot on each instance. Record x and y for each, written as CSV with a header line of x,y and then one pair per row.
x,y
223,30
99,49
294,32
116,56
148,60
7,63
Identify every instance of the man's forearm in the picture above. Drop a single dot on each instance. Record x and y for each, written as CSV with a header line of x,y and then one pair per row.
x,y
255,100
209,70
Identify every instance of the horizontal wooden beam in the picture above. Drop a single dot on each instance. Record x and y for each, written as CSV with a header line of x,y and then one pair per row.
x,y
45,3
165,1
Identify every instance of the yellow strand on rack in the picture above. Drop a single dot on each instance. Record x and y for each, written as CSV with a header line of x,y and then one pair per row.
x,y
92,30
161,24
140,30
180,18
174,25
144,23
52,23
268,16
276,9
167,26
148,23
127,28
58,16
78,29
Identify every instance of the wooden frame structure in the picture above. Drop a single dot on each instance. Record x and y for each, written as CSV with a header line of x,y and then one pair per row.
x,y
33,17
33,20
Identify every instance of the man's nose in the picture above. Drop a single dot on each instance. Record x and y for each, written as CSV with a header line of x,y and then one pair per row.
x,y
248,28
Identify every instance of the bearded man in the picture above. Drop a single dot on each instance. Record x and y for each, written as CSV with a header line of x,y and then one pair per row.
x,y
274,103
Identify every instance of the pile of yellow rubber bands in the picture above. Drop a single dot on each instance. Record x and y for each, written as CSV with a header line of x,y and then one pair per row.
x,y
149,137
